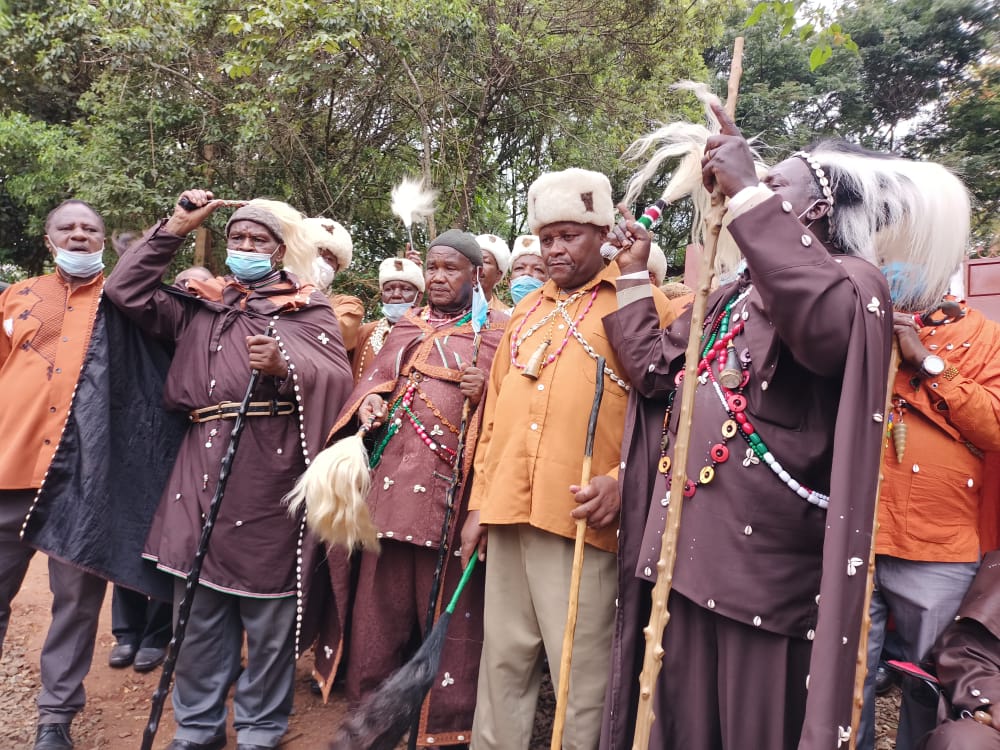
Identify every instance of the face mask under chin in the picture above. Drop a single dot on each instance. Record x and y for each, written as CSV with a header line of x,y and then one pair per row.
x,y
80,265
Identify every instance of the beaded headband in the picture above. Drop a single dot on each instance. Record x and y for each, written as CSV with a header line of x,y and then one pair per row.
x,y
819,174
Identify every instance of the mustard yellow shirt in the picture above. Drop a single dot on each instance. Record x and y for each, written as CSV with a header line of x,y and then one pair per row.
x,y
531,447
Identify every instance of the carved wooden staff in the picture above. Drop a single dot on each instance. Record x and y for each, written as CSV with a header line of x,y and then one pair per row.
x,y
861,670
562,697
659,616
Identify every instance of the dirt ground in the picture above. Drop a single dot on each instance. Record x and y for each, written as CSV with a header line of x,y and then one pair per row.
x,y
118,700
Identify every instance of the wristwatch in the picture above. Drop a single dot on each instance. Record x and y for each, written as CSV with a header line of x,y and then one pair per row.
x,y
931,366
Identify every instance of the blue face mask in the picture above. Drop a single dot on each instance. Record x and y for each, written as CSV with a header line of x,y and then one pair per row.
x,y
81,265
522,286
394,311
480,307
248,266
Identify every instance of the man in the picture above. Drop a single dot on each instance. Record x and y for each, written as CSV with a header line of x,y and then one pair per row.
x,y
946,413
496,261
432,363
769,581
334,249
47,324
967,661
401,285
257,573
527,268
527,497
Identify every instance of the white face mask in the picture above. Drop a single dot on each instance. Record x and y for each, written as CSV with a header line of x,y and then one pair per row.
x,y
80,265
323,272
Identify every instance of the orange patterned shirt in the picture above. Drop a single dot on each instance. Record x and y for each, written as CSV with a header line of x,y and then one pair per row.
x,y
46,332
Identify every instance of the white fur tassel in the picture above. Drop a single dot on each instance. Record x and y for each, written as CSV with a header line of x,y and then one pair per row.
x,y
411,202
685,141
334,490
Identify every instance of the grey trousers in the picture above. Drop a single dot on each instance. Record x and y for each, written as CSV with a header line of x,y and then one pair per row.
x,y
77,597
209,663
923,598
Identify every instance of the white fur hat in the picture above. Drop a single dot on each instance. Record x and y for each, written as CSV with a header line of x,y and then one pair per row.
x,y
657,263
571,195
496,247
526,244
327,234
400,269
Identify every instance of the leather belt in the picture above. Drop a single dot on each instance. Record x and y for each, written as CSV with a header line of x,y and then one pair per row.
x,y
229,410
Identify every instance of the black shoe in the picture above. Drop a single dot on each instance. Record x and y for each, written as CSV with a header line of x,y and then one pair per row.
x,y
122,655
216,743
148,659
53,737
885,678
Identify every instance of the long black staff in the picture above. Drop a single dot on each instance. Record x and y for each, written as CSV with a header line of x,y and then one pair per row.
x,y
191,584
449,512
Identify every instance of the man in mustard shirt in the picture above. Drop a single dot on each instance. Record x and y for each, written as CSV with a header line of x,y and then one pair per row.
x,y
47,324
528,467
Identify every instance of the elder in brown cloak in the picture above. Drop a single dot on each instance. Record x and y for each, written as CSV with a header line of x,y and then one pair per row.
x,y
416,386
257,573
967,658
769,582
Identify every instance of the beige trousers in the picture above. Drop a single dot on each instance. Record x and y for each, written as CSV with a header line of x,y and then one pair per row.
x,y
527,589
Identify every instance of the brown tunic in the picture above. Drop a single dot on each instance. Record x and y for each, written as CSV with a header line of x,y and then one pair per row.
x,y
967,657
407,504
256,549
817,333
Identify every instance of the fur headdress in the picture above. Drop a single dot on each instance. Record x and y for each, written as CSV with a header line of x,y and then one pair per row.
x,y
496,247
400,269
526,244
327,234
897,213
571,195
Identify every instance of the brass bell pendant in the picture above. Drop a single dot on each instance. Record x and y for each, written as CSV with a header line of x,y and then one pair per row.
x,y
731,376
899,439
534,366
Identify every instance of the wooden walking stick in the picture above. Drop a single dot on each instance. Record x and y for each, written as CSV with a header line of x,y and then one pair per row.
x,y
191,584
659,616
861,669
562,697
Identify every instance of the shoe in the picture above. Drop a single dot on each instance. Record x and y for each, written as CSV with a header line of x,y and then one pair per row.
x,y
885,678
217,743
122,655
53,737
148,659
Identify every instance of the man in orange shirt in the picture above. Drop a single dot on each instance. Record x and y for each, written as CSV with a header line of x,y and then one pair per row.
x,y
946,413
47,325
528,468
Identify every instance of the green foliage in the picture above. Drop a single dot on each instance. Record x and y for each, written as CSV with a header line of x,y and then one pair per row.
x,y
821,34
919,85
327,105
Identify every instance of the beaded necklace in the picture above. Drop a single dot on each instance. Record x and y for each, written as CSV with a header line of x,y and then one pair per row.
x,y
400,410
536,362
401,407
375,342
716,340
459,320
